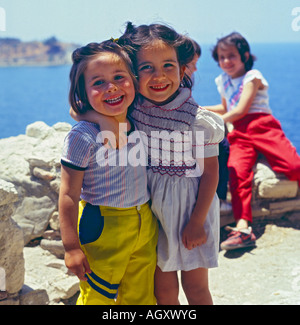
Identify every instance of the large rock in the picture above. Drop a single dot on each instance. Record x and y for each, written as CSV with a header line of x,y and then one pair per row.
x,y
32,163
29,296
55,247
273,195
33,216
272,185
11,241
8,193
40,147
45,272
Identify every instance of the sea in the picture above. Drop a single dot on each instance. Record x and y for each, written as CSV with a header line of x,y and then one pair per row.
x,y
29,94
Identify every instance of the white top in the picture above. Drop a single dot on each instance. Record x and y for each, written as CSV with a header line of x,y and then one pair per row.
x,y
231,90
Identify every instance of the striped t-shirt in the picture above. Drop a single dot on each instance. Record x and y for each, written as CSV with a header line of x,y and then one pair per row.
x,y
111,177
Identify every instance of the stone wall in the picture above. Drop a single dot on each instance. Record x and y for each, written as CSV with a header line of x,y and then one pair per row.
x,y
273,196
31,251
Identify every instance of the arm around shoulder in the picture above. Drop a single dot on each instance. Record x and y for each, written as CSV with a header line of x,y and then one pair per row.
x,y
106,123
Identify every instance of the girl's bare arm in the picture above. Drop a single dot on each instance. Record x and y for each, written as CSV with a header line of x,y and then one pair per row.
x,y
219,109
248,94
71,182
194,234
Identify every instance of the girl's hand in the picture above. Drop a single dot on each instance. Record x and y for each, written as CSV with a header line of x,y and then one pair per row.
x,y
193,235
113,134
77,263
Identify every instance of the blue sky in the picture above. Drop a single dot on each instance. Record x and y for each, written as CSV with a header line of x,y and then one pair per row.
x,y
83,21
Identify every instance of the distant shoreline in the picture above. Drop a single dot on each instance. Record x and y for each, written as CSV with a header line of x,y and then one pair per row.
x,y
51,52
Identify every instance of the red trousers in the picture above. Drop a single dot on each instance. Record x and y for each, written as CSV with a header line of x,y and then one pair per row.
x,y
253,134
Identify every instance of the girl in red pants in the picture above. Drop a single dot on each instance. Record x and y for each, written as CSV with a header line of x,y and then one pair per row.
x,y
245,104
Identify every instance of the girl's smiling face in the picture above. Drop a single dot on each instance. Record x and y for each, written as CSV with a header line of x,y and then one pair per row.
x,y
230,61
159,72
109,86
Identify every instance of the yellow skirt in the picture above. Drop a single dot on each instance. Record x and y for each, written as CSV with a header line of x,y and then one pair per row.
x,y
120,245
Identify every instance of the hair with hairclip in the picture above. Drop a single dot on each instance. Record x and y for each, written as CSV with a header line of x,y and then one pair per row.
x,y
115,40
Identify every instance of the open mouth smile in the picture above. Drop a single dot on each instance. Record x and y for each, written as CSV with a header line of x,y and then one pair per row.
x,y
159,88
114,101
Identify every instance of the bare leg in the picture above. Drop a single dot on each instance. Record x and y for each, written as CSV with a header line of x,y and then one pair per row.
x,y
196,287
166,287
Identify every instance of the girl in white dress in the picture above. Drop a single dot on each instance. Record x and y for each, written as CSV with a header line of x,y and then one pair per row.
x,y
184,202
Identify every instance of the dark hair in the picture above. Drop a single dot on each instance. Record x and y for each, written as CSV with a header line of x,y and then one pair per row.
x,y
237,40
197,48
81,57
144,35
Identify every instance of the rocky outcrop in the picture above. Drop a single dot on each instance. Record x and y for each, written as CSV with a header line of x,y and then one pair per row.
x,y
29,227
31,250
11,244
273,195
14,52
32,163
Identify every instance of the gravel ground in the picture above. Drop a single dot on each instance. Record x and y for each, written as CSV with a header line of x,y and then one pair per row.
x,y
268,274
